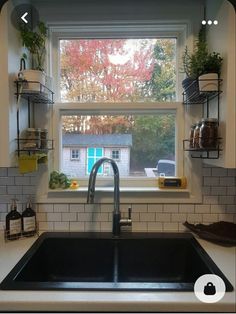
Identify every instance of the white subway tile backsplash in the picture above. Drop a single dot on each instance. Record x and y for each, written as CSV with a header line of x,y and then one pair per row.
x,y
155,226
171,208
41,217
3,190
231,190
22,180
218,172
230,209
7,181
211,181
45,208
157,208
186,208
202,208
77,226
61,226
53,216
147,216
3,208
139,208
231,173
228,200
76,208
140,226
92,226
206,172
3,172
110,207
92,208
209,199
218,203
209,218
194,218
170,226
46,226
218,190
178,217
61,208
14,189
13,172
163,217
106,226
69,216
28,189
227,181
226,217
217,209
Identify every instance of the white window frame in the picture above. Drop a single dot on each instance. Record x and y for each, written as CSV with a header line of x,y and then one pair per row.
x,y
143,29
71,154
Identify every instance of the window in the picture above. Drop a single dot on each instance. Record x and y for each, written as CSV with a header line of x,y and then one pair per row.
x,y
127,87
74,154
115,154
115,70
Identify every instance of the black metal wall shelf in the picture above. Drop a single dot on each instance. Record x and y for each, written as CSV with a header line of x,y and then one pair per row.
x,y
39,94
193,96
203,153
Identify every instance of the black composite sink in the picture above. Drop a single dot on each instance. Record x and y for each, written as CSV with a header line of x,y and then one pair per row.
x,y
97,261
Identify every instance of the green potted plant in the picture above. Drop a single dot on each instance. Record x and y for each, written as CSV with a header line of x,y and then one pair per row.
x,y
201,68
35,41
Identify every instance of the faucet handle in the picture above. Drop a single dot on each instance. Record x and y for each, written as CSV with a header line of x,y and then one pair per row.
x,y
130,213
127,221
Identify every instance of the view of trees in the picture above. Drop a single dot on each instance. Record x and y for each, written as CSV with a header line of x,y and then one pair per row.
x,y
122,70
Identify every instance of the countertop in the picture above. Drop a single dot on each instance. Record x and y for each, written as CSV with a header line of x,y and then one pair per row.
x,y
84,301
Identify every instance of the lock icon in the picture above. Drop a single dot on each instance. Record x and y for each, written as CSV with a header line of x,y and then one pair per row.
x,y
209,289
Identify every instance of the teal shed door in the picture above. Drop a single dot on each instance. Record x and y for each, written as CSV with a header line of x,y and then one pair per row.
x,y
93,155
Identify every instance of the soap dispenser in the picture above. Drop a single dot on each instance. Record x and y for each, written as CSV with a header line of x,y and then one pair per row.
x,y
28,221
13,222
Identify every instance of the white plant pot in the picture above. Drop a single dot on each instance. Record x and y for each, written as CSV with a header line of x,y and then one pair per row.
x,y
208,82
38,77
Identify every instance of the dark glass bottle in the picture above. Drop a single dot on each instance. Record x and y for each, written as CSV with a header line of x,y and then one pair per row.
x,y
28,221
13,223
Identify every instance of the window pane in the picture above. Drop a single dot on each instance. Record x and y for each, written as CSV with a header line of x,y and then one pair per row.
x,y
143,144
118,70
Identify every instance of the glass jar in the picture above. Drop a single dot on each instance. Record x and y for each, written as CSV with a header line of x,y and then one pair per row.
x,y
209,133
191,135
44,137
196,135
33,138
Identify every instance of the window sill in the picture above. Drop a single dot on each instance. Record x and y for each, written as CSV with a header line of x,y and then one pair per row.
x,y
127,195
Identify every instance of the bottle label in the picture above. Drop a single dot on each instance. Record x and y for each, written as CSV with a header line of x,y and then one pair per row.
x,y
15,226
29,224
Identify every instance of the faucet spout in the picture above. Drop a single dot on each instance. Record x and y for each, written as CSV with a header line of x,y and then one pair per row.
x,y
91,190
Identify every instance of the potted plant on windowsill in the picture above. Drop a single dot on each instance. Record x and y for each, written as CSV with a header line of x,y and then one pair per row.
x,y
202,69
35,41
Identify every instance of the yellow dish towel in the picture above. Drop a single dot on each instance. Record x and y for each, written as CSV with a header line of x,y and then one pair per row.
x,y
28,163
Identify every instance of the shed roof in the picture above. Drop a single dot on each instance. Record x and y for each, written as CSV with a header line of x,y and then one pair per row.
x,y
117,140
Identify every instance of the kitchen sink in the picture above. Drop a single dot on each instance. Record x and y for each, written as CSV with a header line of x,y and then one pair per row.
x,y
99,261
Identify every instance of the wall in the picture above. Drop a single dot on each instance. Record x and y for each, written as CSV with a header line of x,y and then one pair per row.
x,y
219,203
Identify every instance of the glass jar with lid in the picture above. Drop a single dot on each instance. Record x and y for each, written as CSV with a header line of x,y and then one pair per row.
x,y
191,135
196,135
33,138
208,137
